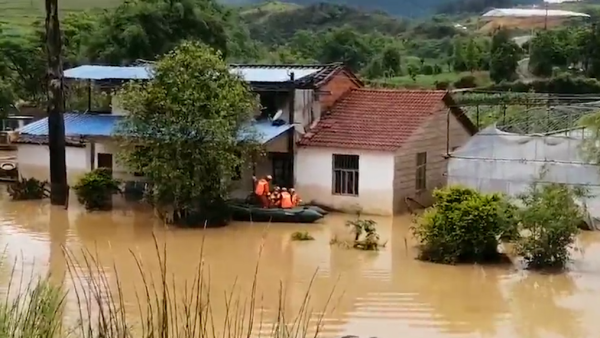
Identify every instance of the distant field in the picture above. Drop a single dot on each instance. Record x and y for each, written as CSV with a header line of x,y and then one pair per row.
x,y
18,14
428,81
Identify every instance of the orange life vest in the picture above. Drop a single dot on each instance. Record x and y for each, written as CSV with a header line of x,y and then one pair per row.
x,y
286,200
295,200
262,188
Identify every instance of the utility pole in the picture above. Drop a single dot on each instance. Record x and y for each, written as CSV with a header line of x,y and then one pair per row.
x,y
546,16
59,190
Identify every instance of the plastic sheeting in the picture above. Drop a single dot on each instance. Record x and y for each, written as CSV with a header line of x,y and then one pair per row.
x,y
496,161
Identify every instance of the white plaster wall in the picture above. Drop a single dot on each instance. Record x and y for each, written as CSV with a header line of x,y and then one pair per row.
x,y
34,161
119,170
313,170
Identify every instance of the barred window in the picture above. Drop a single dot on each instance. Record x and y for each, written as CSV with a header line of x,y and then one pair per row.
x,y
421,174
345,175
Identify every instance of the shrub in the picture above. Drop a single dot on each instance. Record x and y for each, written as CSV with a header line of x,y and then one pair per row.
x,y
28,189
95,189
467,81
464,226
441,85
549,220
360,227
302,236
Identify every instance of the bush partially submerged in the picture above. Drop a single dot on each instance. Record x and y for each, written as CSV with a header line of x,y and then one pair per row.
x,y
365,235
95,189
28,189
302,236
549,222
463,226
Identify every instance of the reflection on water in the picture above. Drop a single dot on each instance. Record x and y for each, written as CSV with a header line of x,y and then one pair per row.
x,y
376,294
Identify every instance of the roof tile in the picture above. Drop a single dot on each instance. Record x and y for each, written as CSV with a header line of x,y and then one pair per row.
x,y
374,119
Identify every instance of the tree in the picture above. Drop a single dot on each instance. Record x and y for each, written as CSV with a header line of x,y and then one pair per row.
x,y
345,45
25,61
549,49
391,61
458,59
505,56
59,190
146,29
182,133
472,55
550,217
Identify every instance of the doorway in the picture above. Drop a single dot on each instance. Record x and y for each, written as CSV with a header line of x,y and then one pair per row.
x,y
283,166
105,161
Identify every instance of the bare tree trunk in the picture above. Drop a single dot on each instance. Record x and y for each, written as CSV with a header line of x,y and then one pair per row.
x,y
56,123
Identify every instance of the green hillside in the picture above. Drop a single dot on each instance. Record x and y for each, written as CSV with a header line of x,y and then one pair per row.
x,y
20,13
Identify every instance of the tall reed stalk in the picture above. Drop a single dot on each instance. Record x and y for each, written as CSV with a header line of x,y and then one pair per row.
x,y
163,311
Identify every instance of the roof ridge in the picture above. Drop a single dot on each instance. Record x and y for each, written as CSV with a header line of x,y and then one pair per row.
x,y
290,65
400,90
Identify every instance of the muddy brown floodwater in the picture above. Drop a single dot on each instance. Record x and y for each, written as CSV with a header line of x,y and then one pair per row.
x,y
377,294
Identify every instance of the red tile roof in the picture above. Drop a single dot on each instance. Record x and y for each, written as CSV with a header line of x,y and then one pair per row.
x,y
375,119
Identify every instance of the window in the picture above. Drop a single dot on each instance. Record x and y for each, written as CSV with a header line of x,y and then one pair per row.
x,y
421,174
345,175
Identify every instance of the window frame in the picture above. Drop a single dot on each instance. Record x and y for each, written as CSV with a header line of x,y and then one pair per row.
x,y
349,175
421,171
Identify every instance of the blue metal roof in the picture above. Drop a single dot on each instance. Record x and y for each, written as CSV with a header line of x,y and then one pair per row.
x,y
263,131
250,74
77,124
108,73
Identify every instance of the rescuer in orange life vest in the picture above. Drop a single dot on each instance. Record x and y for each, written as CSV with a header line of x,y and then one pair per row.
x,y
295,198
275,198
262,190
286,199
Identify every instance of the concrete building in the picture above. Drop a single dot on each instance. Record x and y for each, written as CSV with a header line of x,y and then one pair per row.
x,y
377,147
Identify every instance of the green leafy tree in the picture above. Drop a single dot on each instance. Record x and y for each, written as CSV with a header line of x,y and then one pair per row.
x,y
472,55
182,133
24,63
505,56
391,61
458,60
412,72
345,45
550,220
146,29
550,49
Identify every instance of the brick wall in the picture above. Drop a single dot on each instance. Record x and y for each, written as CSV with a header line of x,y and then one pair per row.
x,y
430,138
336,87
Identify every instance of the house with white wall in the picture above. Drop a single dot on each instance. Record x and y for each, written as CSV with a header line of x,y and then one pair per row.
x,y
296,93
377,148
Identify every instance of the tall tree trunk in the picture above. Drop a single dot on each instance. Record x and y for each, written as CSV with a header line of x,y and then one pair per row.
x,y
56,123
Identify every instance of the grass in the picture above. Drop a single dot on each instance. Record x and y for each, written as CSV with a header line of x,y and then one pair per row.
x,y
19,14
37,309
428,81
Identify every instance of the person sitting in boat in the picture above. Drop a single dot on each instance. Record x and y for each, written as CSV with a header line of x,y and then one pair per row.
x,y
295,198
275,198
262,190
286,199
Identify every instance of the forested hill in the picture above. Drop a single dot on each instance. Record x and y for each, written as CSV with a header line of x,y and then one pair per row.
x,y
411,8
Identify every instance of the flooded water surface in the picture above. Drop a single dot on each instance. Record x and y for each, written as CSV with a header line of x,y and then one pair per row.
x,y
367,294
